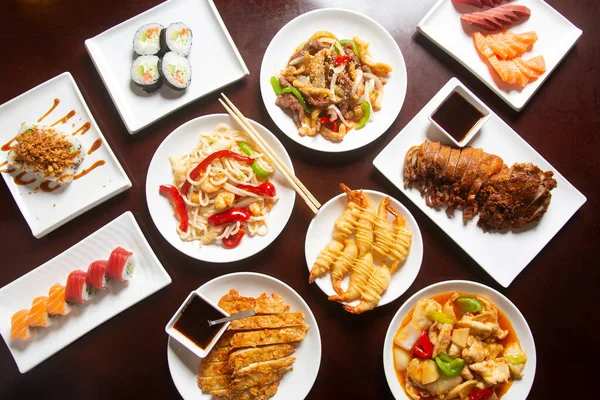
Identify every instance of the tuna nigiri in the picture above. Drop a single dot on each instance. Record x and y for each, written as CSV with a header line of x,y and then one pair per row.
x,y
19,328
38,315
57,304
77,290
121,264
96,275
495,18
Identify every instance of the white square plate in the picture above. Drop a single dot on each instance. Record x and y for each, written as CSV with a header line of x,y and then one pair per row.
x,y
149,277
45,211
442,25
502,255
215,61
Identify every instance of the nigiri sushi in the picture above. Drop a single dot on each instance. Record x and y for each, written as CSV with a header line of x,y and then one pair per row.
x,y
77,290
38,315
96,275
121,264
57,303
19,328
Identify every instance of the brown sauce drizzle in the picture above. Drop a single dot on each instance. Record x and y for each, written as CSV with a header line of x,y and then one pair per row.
x,y
95,146
90,169
8,169
56,102
8,145
45,187
19,179
83,129
75,154
64,119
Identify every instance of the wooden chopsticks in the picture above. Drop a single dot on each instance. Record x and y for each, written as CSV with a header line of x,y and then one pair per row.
x,y
298,186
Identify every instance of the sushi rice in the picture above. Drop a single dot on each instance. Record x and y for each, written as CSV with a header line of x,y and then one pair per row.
x,y
129,268
177,37
144,73
175,70
146,41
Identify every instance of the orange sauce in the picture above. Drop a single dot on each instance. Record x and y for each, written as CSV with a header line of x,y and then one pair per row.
x,y
56,102
45,187
8,169
83,129
90,169
75,154
19,179
503,321
95,146
64,119
8,145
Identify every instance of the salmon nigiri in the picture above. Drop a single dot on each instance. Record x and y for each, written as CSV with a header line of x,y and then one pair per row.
x,y
57,304
38,315
19,328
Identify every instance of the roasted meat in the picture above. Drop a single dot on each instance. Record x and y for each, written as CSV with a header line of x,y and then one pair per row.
x,y
476,182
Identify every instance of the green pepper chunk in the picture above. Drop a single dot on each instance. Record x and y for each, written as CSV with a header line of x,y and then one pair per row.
x,y
450,366
276,85
366,109
441,317
468,305
261,173
515,358
344,42
298,95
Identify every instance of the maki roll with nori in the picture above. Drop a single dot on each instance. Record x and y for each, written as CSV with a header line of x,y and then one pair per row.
x,y
144,73
146,41
175,70
177,37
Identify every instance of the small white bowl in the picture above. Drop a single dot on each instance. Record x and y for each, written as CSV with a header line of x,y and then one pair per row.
x,y
193,347
475,102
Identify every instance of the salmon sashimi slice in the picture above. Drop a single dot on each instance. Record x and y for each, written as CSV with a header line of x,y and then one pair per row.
x,y
19,328
38,315
505,45
518,71
537,64
57,304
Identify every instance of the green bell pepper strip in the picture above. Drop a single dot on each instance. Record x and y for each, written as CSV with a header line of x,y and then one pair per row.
x,y
366,109
468,305
276,85
298,95
261,173
450,366
344,42
515,358
441,317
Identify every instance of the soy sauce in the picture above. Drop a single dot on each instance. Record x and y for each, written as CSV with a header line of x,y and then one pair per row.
x,y
193,322
457,116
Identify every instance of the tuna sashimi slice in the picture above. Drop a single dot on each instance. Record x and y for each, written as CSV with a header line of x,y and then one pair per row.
x,y
496,18
476,3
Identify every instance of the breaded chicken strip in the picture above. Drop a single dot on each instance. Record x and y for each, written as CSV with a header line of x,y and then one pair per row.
x,y
234,303
260,374
224,340
214,368
268,321
269,336
244,357
254,393
210,383
218,354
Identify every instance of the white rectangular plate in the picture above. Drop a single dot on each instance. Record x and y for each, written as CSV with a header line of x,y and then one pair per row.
x,y
442,25
215,61
149,277
45,211
502,255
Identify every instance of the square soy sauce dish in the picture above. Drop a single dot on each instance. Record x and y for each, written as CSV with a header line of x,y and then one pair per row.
x,y
189,326
460,115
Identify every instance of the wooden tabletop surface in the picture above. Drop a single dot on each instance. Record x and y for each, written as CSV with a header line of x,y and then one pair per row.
x,y
125,358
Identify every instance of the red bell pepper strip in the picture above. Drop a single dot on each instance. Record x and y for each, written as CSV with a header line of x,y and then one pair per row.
x,y
334,124
178,204
229,216
234,240
482,394
424,347
265,189
341,60
200,168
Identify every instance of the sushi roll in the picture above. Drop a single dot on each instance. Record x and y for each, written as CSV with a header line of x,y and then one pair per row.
x,y
146,41
177,37
96,275
47,153
121,264
77,290
144,73
175,70
19,325
38,315
57,303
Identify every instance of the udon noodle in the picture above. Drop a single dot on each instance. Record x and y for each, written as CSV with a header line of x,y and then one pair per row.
x,y
215,190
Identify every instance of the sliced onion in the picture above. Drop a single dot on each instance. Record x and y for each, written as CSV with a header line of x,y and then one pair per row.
x,y
359,76
378,85
303,78
370,84
333,42
339,114
332,85
297,60
340,69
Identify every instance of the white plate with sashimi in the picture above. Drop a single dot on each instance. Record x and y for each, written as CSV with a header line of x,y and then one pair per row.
x,y
55,304
519,43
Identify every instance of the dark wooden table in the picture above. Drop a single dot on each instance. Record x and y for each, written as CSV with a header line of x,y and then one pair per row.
x,y
126,357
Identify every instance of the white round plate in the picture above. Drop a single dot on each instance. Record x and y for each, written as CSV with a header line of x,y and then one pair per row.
x,y
520,388
183,364
345,24
320,233
181,141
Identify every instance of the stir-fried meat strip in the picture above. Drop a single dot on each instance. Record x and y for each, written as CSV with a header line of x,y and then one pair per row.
x,y
290,101
476,182
314,46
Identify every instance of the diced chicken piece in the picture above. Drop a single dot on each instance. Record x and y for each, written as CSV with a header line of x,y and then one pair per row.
x,y
493,371
474,352
494,350
440,336
483,325
408,336
412,390
455,350
467,374
516,370
448,308
461,391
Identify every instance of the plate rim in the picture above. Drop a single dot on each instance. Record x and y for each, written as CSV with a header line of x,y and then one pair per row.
x,y
296,137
